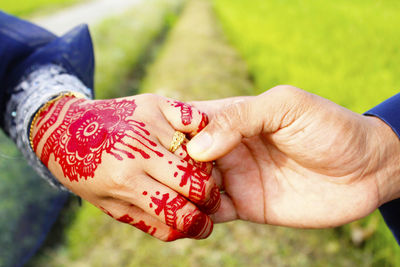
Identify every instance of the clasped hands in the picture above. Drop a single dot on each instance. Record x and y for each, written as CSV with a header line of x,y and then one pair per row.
x,y
285,157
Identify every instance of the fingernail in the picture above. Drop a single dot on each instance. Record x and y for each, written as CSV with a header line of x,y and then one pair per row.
x,y
200,143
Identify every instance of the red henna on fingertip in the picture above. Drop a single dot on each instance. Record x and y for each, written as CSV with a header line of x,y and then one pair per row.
x,y
186,112
197,225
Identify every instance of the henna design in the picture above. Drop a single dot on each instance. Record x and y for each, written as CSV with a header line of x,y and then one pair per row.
x,y
125,219
195,223
144,227
197,180
203,123
43,129
141,225
174,235
106,212
169,207
204,166
213,203
89,129
186,112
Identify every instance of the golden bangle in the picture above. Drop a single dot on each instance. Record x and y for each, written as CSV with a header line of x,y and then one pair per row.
x,y
45,106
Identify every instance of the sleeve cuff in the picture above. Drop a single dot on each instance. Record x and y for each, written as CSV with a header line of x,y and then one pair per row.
x,y
389,112
28,96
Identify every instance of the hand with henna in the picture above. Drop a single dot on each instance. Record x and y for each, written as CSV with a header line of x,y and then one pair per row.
x,y
291,158
114,153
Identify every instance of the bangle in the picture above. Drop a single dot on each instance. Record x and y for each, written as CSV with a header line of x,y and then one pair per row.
x,y
45,106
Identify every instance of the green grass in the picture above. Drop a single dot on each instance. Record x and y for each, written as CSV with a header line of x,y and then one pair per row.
x,y
346,51
124,44
28,7
196,62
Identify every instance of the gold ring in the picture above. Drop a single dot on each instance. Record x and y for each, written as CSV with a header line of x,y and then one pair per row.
x,y
177,141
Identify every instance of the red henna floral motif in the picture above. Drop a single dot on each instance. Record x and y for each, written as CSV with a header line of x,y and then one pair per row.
x,y
186,112
89,129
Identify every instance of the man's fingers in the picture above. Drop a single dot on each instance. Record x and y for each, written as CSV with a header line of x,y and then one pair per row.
x,y
226,212
223,133
267,113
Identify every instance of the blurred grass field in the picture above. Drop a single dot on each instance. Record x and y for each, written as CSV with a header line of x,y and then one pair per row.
x,y
26,8
347,51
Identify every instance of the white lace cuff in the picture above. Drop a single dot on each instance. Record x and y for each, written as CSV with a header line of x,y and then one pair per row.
x,y
28,96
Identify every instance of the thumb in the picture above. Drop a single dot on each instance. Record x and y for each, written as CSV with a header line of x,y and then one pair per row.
x,y
267,113
226,130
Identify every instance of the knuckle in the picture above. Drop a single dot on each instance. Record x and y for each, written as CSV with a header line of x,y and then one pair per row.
x,y
225,120
116,182
148,98
287,91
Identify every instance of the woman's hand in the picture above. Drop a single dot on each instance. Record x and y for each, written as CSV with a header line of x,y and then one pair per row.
x,y
114,153
288,157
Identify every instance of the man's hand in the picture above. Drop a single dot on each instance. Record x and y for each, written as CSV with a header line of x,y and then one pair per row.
x,y
114,153
291,158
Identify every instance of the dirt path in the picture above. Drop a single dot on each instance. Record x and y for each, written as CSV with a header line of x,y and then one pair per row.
x,y
91,12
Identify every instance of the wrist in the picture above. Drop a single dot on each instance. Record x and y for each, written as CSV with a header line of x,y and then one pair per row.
x,y
385,146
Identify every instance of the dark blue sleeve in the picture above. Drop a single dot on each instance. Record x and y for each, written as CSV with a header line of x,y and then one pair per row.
x,y
25,46
389,112
28,205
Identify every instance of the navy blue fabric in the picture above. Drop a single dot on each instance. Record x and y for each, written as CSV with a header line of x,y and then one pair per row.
x,y
25,46
28,205
389,112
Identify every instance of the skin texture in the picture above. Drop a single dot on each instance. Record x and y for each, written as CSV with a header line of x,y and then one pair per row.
x,y
114,153
291,158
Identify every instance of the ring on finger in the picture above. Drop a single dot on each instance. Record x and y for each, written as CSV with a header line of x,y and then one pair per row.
x,y
177,141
